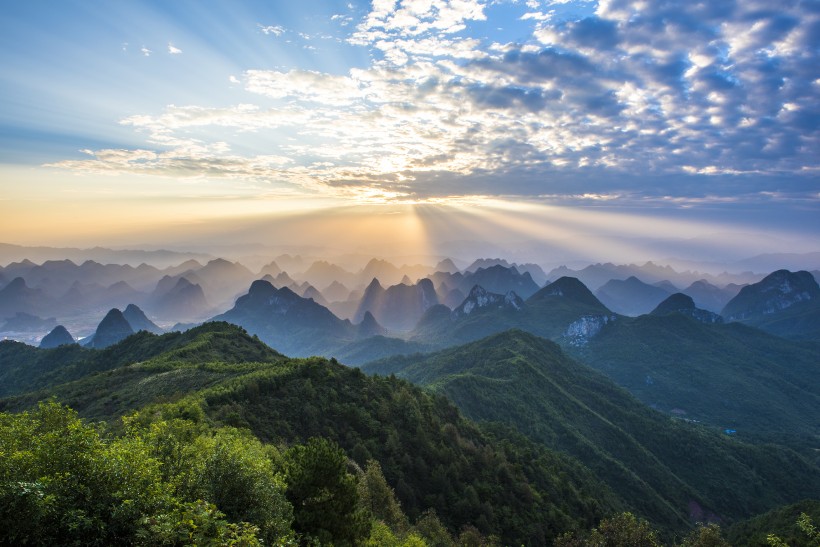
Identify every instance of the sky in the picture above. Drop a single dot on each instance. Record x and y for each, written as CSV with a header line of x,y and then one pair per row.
x,y
576,127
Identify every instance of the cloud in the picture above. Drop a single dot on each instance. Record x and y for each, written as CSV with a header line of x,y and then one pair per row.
x,y
173,50
673,92
145,51
275,30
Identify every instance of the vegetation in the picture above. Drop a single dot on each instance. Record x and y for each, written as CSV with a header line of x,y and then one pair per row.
x,y
669,471
447,473
782,523
731,376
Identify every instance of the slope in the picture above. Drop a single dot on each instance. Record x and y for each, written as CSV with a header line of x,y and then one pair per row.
x,y
666,470
730,375
500,482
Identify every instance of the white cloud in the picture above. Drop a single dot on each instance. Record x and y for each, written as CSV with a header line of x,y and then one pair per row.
x,y
173,50
660,89
145,51
275,30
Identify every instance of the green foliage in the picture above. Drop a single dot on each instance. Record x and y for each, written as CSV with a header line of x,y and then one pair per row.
x,y
810,536
323,494
730,376
654,463
377,498
623,530
25,368
429,454
705,535
64,482
780,523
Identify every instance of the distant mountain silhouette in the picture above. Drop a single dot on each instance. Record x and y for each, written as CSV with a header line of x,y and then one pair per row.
x,y
182,301
59,336
138,320
630,296
26,322
113,328
398,307
710,297
17,296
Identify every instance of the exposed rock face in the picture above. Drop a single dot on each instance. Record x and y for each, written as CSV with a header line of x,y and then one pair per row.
x,y
777,292
480,298
579,332
59,336
684,304
113,328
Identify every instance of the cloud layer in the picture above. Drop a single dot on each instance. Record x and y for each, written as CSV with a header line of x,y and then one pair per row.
x,y
668,98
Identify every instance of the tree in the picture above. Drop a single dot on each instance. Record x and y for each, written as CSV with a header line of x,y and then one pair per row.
x,y
623,530
377,498
323,494
707,535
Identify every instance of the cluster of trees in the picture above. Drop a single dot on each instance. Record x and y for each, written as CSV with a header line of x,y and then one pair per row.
x,y
168,478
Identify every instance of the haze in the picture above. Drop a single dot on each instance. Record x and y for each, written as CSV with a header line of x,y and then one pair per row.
x,y
544,130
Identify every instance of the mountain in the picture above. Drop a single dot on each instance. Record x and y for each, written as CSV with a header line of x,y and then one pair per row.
x,y
272,269
446,265
178,299
222,280
665,469
138,320
480,300
535,271
59,336
322,273
500,279
388,273
336,292
25,322
398,307
159,258
493,480
288,322
17,296
683,304
783,303
727,375
595,275
709,297
564,309
630,296
113,328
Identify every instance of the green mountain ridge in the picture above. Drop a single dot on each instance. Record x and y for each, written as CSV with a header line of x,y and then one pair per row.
x,y
666,469
497,481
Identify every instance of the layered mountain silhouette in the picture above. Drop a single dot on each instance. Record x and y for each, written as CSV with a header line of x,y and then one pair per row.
x,y
630,296
710,297
398,307
17,296
178,298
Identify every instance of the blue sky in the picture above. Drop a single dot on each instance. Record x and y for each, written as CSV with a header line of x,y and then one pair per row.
x,y
706,111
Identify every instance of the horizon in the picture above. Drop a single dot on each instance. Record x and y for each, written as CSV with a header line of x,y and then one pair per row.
x,y
562,131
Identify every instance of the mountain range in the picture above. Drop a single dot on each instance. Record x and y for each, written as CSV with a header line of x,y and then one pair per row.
x,y
536,444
